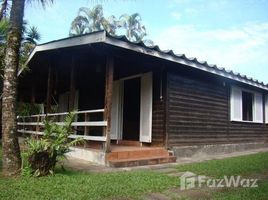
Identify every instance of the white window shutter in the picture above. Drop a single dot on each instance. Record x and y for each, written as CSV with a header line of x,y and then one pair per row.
x,y
146,107
116,119
236,104
266,109
258,108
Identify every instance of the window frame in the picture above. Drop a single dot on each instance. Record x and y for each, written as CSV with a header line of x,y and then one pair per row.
x,y
232,119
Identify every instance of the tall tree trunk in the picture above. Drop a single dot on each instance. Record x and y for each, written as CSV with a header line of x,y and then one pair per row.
x,y
3,9
11,151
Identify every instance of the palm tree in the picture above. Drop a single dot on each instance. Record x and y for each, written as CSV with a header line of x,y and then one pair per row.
x,y
88,20
3,30
32,35
4,9
11,151
135,31
91,20
110,25
79,26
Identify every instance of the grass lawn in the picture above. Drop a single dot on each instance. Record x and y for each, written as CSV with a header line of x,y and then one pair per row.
x,y
135,184
242,165
78,185
255,165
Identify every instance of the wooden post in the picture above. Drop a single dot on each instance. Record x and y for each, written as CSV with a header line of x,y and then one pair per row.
x,y
49,88
72,86
108,101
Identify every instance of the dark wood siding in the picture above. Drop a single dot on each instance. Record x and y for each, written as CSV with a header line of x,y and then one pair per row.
x,y
198,113
158,123
158,115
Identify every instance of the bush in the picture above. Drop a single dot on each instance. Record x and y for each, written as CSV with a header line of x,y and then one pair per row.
x,y
42,154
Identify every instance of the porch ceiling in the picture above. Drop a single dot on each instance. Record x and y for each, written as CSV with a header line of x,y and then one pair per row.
x,y
153,51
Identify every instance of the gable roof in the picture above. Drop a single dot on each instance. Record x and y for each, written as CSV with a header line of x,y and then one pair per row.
x,y
155,51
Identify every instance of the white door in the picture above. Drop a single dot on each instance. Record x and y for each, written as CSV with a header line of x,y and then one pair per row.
x,y
117,110
146,108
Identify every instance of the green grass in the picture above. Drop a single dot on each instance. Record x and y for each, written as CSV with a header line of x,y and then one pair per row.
x,y
133,185
259,193
247,166
75,185
242,165
78,185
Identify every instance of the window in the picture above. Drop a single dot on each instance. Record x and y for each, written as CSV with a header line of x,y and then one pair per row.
x,y
246,105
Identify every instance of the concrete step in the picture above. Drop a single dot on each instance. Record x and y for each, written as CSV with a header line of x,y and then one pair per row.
x,y
138,153
142,161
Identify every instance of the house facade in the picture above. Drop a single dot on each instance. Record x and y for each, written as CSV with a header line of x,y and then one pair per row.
x,y
130,95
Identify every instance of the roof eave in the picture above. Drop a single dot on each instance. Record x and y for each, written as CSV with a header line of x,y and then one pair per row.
x,y
69,42
181,60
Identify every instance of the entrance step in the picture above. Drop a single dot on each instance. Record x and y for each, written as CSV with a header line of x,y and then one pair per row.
x,y
129,143
142,161
139,157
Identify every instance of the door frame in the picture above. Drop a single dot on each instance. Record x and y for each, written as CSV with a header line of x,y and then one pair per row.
x,y
121,107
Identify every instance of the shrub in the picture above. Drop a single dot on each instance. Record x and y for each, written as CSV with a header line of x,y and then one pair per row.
x,y
42,154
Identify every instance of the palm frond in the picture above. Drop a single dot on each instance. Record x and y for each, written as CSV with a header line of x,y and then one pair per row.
x,y
44,3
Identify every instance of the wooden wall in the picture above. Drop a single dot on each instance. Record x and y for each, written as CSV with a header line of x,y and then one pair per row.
x,y
198,113
158,116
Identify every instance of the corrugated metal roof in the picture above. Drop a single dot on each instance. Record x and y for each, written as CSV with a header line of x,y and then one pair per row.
x,y
103,34
189,59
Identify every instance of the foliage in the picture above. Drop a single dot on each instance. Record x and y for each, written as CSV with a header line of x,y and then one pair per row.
x,y
135,31
91,186
260,192
27,109
91,20
5,9
3,30
30,37
44,153
119,185
242,165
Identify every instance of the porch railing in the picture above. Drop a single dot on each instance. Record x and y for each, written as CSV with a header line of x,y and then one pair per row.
x,y
34,124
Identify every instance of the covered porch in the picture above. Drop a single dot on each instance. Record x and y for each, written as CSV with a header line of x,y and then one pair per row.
x,y
114,93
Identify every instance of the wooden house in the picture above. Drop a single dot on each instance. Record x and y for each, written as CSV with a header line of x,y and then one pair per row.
x,y
139,105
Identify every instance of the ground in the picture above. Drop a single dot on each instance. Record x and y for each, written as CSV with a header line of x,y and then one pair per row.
x,y
161,183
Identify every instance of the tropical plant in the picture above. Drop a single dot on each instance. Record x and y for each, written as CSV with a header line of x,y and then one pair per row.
x,y
32,35
5,7
3,30
10,145
135,31
42,154
91,20
27,109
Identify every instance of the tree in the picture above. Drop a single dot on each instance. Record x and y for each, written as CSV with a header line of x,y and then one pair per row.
x,y
4,9
91,20
32,35
135,31
11,151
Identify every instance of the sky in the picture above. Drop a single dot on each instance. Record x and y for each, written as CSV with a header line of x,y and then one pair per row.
x,y
229,33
